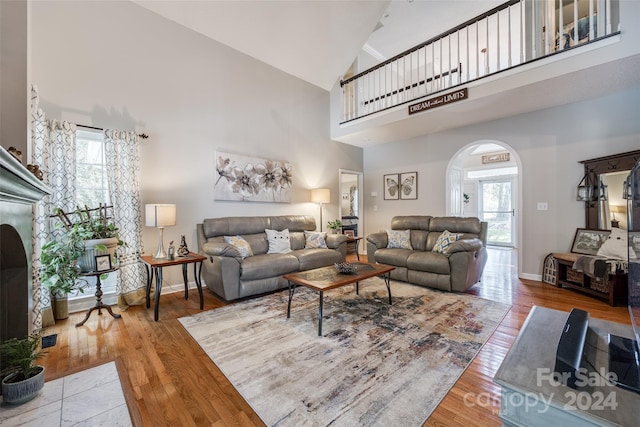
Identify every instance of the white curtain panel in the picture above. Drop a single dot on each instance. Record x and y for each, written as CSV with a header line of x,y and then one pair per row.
x,y
53,148
123,167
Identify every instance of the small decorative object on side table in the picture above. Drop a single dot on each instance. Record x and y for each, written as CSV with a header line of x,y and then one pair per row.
x,y
154,267
99,304
103,262
335,226
183,250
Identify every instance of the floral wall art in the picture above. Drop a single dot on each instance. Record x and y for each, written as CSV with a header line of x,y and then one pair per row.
x,y
251,179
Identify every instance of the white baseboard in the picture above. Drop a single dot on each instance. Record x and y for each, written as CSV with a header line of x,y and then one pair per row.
x,y
536,277
177,287
89,300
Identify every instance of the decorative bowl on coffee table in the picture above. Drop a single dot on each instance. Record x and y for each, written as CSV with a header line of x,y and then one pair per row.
x,y
345,267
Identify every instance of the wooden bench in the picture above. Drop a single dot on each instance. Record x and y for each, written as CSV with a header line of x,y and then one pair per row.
x,y
613,290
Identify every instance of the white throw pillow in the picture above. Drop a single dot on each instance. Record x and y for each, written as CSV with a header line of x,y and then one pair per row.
x,y
315,240
399,239
278,241
616,246
240,244
445,240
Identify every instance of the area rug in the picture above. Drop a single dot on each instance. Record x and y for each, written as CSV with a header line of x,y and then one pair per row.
x,y
374,365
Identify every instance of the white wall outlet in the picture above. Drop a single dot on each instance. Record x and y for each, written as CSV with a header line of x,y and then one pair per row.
x,y
375,208
374,194
543,206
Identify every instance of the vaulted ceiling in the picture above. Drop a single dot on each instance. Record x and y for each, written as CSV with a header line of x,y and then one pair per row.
x,y
318,40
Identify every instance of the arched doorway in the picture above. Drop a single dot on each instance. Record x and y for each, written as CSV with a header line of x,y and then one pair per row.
x,y
484,180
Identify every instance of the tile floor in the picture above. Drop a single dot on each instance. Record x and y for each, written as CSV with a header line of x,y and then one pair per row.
x,y
92,397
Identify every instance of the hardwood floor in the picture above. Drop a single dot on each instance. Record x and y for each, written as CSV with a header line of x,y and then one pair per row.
x,y
168,380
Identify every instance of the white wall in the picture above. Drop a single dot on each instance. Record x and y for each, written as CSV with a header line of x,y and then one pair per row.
x,y
114,64
14,99
117,65
549,142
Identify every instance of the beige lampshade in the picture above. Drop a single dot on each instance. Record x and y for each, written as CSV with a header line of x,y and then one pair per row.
x,y
321,195
617,208
160,215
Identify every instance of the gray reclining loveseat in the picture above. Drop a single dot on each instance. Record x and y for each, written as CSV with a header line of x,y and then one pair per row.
x,y
231,276
457,269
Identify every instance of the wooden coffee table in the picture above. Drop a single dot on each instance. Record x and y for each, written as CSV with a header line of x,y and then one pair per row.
x,y
326,278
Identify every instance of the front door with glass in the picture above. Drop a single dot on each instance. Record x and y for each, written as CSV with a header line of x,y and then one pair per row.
x,y
497,209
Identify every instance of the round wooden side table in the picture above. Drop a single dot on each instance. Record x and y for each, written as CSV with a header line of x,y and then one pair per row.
x,y
99,304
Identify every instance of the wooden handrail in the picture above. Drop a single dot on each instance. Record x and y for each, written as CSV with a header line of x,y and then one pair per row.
x,y
431,40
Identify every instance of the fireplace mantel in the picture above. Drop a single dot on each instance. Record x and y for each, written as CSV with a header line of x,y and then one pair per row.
x,y
19,190
17,184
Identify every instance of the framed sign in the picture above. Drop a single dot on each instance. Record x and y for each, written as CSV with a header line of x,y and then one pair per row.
x,y
439,100
103,262
495,158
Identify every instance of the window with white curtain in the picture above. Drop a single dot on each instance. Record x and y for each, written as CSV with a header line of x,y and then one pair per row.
x,y
91,176
91,191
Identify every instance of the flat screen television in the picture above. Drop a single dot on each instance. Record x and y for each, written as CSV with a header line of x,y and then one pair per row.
x,y
624,353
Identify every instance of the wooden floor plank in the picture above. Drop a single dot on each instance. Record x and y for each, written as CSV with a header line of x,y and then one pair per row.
x,y
169,380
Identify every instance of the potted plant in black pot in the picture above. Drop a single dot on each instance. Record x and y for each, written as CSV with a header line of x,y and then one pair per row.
x,y
22,379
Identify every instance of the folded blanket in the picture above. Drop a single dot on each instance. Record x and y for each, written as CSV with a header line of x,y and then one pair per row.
x,y
595,266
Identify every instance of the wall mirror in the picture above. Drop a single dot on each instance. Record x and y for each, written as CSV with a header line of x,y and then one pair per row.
x,y
351,203
609,207
612,184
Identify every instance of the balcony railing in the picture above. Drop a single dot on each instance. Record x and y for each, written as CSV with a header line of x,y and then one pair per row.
x,y
512,34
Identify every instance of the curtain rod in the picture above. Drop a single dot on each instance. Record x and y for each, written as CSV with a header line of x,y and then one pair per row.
x,y
141,135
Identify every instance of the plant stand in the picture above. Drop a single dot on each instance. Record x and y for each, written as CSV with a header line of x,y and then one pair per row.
x,y
99,304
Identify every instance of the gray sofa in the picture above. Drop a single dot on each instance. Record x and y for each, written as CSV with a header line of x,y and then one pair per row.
x,y
457,270
230,276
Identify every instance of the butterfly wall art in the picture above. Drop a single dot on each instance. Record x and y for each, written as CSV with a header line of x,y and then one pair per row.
x,y
390,184
401,186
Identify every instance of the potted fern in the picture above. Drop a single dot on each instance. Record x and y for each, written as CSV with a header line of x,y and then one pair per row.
x,y
22,378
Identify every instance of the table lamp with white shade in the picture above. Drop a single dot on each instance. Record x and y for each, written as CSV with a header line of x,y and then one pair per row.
x,y
321,196
617,209
160,216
